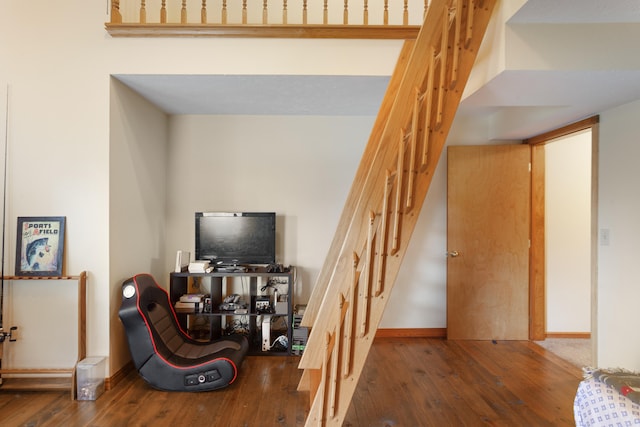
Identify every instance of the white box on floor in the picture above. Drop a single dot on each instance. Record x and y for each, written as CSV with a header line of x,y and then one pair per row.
x,y
90,374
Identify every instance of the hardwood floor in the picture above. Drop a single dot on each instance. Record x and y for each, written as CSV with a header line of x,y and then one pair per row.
x,y
406,382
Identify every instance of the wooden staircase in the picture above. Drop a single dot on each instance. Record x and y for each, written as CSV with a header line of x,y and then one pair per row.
x,y
384,203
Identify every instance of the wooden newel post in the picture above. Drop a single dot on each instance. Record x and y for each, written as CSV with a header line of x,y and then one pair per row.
x,y
116,18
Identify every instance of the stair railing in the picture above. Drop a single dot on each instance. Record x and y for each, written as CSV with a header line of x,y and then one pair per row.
x,y
369,19
384,203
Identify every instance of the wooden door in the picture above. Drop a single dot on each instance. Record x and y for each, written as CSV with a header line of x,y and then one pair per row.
x,y
488,199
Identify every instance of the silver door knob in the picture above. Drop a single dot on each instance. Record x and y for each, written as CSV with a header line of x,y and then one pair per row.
x,y
453,254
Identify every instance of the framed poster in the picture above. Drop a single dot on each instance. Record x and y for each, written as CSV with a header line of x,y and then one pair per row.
x,y
40,246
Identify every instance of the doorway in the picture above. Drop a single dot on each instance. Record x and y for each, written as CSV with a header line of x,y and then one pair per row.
x,y
537,313
567,235
541,324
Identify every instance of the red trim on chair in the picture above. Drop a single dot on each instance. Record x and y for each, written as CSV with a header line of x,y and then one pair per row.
x,y
153,341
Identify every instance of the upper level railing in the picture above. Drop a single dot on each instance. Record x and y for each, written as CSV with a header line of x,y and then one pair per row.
x,y
363,19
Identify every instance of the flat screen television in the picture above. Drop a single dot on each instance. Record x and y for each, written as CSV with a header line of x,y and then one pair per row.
x,y
236,238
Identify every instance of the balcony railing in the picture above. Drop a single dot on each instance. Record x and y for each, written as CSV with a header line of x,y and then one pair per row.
x,y
362,19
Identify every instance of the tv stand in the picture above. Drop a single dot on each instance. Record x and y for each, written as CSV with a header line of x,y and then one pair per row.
x,y
268,320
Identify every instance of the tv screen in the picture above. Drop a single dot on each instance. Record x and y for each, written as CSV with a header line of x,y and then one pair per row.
x,y
236,238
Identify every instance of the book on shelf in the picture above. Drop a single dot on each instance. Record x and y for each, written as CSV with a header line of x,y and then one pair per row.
x,y
190,306
192,298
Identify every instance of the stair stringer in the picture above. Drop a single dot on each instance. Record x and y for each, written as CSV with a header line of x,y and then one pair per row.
x,y
384,204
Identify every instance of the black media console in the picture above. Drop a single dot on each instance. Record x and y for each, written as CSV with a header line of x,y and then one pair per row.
x,y
256,302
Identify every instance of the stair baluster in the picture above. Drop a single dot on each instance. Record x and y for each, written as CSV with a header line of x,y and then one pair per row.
x,y
350,318
415,128
428,107
284,11
143,12
456,49
443,67
384,221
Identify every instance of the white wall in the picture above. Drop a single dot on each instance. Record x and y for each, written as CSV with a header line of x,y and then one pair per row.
x,y
419,296
138,163
58,149
58,68
300,167
618,266
568,233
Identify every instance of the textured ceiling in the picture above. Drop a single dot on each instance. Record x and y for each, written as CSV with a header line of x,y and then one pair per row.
x,y
577,11
261,94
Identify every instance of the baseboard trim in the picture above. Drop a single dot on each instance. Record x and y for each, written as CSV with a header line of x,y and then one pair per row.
x,y
114,379
584,335
412,333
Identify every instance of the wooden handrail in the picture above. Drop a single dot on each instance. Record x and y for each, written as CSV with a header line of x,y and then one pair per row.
x,y
264,31
268,19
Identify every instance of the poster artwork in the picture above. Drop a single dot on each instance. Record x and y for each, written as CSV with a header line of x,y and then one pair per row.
x,y
40,244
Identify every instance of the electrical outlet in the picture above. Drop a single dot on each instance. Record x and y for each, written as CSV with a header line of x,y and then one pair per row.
x,y
604,237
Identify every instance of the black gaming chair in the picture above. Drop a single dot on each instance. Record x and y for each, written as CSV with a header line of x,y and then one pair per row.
x,y
164,355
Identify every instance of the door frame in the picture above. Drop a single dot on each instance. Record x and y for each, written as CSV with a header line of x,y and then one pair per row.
x,y
537,282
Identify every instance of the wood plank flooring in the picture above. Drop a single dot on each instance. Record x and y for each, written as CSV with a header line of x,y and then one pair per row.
x,y
406,382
